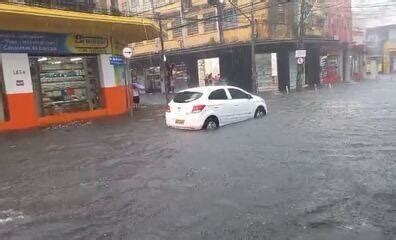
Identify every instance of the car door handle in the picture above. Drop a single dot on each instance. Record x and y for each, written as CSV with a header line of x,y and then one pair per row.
x,y
236,105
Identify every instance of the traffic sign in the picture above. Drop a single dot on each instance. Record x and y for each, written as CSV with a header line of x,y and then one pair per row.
x,y
116,60
127,52
301,53
300,60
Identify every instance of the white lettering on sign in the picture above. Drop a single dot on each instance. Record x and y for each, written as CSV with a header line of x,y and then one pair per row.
x,y
301,53
16,71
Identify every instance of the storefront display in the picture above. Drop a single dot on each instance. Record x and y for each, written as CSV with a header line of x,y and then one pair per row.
x,y
209,71
153,79
180,77
267,72
330,72
66,84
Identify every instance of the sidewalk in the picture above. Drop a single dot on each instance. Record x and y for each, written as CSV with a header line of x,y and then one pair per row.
x,y
150,99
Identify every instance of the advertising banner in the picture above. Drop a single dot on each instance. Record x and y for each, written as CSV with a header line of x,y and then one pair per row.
x,y
48,43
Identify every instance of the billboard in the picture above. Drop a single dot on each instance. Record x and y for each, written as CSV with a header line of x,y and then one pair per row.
x,y
49,43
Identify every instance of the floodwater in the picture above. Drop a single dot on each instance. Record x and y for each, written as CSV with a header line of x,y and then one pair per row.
x,y
321,165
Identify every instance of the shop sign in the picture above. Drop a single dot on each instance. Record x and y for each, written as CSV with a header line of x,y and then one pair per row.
x,y
45,43
301,53
16,73
116,60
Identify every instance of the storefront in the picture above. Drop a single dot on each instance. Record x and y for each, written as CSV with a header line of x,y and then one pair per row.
x,y
64,69
57,65
331,66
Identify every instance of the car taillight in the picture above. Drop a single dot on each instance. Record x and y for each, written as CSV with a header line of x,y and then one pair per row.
x,y
198,108
167,108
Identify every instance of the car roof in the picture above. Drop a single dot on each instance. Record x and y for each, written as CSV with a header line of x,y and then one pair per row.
x,y
206,89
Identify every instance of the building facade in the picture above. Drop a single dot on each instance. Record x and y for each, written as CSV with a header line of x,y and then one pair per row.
x,y
381,49
59,65
194,45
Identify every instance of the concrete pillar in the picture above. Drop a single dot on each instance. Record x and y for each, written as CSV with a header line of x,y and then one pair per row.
x,y
348,65
113,88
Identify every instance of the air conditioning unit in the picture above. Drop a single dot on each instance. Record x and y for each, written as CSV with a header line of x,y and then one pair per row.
x,y
336,37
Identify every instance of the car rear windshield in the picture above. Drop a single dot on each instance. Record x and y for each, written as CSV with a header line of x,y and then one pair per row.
x,y
185,97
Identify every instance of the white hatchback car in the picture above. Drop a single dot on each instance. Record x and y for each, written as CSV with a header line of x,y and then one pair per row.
x,y
211,107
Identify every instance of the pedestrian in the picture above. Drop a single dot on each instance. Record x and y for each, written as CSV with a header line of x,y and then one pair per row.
x,y
136,96
172,85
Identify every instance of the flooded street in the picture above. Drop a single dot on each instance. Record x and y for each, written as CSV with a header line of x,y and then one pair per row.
x,y
321,165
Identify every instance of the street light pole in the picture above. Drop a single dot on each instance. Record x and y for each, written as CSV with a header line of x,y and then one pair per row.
x,y
300,46
253,40
253,37
220,13
163,59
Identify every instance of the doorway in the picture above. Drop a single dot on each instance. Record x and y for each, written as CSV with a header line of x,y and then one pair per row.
x,y
267,72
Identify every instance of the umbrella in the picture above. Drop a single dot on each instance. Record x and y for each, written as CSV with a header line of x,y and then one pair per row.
x,y
138,86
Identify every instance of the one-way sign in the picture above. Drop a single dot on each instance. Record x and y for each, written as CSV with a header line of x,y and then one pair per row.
x,y
127,52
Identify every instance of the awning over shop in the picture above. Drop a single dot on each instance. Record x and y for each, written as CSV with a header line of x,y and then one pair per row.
x,y
123,30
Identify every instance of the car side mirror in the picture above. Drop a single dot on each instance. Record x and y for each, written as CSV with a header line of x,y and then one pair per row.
x,y
250,96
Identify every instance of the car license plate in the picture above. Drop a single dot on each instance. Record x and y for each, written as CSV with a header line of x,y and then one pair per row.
x,y
178,121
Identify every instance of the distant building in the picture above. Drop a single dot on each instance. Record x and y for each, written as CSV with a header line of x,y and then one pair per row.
x,y
381,49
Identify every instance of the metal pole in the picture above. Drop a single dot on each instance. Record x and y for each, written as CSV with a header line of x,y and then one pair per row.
x,y
182,22
128,85
253,47
152,7
220,13
300,46
162,66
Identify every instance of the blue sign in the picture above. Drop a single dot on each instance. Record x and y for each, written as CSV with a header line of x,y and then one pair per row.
x,y
44,43
22,42
116,60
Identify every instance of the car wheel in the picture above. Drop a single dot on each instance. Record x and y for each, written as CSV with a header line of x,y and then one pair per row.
x,y
260,112
211,123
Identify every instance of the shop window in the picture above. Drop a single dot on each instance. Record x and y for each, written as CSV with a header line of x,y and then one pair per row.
x,y
192,27
66,84
210,24
153,79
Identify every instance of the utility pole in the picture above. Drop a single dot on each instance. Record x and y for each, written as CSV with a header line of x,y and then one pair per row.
x,y
300,46
152,7
253,37
220,15
182,22
253,40
163,59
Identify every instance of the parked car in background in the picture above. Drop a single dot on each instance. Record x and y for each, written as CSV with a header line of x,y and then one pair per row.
x,y
212,107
